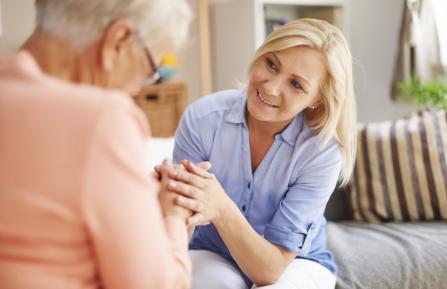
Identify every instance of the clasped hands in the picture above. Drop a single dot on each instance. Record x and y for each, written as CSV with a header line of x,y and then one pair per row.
x,y
190,192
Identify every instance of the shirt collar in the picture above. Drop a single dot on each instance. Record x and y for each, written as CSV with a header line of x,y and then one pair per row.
x,y
237,110
290,134
236,115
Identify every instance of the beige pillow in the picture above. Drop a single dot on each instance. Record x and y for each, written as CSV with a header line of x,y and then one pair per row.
x,y
401,170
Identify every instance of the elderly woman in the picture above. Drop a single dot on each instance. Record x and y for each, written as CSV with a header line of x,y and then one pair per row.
x,y
76,208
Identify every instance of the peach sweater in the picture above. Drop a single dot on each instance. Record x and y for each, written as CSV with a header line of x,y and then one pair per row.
x,y
76,208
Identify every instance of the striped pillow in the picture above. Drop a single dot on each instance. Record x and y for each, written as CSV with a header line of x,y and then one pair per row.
x,y
401,170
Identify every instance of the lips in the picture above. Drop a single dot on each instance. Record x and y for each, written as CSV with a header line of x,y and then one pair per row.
x,y
264,100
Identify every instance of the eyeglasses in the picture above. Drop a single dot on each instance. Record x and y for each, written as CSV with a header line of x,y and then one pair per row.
x,y
156,78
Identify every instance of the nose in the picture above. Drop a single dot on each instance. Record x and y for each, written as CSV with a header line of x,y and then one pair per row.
x,y
273,86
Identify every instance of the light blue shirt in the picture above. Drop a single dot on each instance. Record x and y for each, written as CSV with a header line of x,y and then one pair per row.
x,y
284,199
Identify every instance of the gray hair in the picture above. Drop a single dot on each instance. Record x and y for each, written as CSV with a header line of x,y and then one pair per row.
x,y
82,21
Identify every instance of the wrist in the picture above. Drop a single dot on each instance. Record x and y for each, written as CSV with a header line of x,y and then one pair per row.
x,y
179,212
227,210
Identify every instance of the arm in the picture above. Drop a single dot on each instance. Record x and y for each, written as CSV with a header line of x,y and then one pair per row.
x,y
188,145
288,234
135,247
262,261
205,196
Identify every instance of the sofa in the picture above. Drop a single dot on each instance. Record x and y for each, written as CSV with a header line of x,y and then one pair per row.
x,y
388,255
387,228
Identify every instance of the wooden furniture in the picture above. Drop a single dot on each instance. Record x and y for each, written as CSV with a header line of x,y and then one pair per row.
x,y
204,46
163,105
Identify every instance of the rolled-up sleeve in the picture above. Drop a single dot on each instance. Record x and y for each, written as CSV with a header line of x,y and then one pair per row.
x,y
298,217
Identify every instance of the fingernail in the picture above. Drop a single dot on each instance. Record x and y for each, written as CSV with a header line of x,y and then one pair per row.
x,y
172,184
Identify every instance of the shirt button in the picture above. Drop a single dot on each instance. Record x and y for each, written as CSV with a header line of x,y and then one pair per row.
x,y
249,184
244,208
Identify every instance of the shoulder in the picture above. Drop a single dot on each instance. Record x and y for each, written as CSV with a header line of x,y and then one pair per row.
x,y
314,150
95,103
114,110
59,100
215,104
84,109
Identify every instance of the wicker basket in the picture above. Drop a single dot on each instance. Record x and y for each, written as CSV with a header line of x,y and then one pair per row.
x,y
163,105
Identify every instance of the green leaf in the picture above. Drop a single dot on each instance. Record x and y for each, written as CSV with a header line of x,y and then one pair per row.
x,y
432,94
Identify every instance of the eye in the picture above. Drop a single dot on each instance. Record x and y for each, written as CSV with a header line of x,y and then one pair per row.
x,y
295,84
271,64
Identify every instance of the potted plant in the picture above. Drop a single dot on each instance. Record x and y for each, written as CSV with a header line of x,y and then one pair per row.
x,y
432,94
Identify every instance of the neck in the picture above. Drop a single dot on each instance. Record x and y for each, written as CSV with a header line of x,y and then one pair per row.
x,y
266,128
56,57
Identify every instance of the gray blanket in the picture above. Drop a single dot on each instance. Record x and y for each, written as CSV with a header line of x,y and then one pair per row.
x,y
407,255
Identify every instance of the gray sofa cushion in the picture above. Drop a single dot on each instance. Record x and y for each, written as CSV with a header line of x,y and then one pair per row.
x,y
392,255
338,208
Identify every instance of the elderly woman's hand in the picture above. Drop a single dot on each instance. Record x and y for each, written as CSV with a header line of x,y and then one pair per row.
x,y
200,192
157,169
166,196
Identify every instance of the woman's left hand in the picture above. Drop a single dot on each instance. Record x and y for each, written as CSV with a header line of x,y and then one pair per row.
x,y
200,192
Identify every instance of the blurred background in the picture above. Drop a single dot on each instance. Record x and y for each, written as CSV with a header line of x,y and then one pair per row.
x,y
225,34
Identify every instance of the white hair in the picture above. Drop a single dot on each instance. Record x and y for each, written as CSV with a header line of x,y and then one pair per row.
x,y
83,21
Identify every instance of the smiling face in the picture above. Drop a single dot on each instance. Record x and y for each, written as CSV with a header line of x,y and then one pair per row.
x,y
284,83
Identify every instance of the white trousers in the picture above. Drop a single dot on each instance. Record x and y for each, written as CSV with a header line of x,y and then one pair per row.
x,y
211,271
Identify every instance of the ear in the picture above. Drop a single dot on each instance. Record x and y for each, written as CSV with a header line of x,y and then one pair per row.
x,y
316,104
116,38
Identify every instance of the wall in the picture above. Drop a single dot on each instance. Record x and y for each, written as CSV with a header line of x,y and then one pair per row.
x,y
189,68
373,36
372,29
17,21
232,42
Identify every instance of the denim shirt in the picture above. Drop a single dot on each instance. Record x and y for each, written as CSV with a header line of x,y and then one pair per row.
x,y
284,199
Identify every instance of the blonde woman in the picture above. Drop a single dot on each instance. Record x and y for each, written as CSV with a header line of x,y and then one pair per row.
x,y
277,150
77,209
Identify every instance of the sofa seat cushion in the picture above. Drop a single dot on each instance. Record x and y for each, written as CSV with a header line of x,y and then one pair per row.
x,y
392,255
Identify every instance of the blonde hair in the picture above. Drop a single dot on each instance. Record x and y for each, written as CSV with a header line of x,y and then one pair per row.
x,y
82,21
336,117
